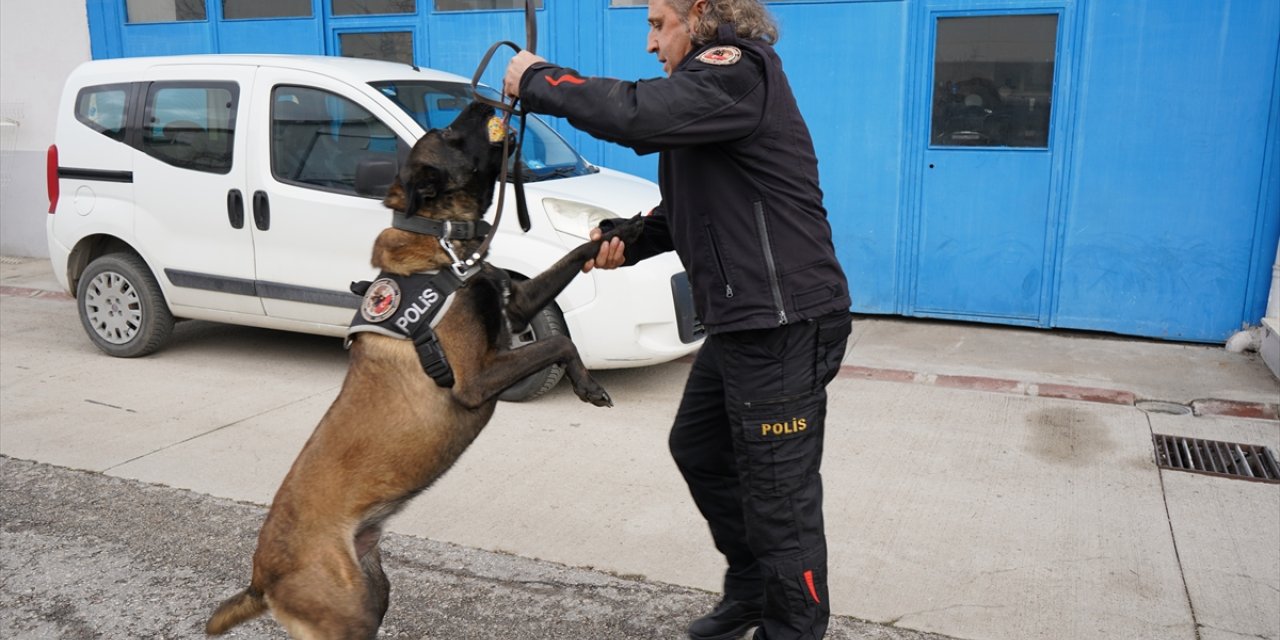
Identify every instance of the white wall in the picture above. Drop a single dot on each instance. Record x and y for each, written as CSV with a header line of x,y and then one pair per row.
x,y
41,41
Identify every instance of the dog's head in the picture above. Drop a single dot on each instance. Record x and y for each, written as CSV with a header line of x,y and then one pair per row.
x,y
451,172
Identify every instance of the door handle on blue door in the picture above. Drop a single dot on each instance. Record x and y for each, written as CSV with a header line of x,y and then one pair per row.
x,y
235,208
261,210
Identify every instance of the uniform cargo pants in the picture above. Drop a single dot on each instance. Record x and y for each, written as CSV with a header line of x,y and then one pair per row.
x,y
748,440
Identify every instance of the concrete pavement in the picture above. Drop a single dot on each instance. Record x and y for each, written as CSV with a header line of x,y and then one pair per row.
x,y
981,482
87,556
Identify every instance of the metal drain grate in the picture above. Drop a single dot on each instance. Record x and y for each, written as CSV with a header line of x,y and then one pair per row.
x,y
1230,459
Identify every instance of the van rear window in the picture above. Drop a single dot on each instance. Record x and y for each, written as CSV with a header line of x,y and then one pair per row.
x,y
104,109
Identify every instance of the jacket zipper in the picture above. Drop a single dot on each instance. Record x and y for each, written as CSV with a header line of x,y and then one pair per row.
x,y
766,246
715,253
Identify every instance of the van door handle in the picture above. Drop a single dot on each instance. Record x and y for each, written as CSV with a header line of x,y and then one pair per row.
x,y
235,208
261,210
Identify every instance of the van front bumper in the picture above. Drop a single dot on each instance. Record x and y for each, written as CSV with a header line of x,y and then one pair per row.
x,y
641,315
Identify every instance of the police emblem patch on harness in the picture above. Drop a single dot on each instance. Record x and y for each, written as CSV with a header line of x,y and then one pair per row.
x,y
381,300
722,56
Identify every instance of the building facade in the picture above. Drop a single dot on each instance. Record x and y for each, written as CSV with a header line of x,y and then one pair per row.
x,y
1109,165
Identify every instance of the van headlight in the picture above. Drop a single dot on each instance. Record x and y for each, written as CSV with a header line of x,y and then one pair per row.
x,y
575,218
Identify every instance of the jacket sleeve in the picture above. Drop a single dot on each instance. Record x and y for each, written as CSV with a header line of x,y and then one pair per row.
x,y
699,104
655,237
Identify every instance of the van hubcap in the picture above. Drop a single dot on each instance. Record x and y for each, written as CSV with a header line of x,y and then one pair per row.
x,y
112,305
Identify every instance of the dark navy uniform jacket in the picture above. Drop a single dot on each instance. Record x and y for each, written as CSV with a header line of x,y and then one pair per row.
x,y
741,204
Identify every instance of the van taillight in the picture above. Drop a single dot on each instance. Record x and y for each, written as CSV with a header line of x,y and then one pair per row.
x,y
51,175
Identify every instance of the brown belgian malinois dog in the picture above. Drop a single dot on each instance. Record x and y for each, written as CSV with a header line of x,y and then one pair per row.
x,y
392,430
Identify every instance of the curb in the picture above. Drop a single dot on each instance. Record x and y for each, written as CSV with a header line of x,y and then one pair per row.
x,y
1236,409
1206,407
26,292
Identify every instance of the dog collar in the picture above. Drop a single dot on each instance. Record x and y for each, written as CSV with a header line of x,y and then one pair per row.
x,y
444,229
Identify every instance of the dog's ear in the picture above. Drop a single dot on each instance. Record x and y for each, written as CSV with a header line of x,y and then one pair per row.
x,y
424,184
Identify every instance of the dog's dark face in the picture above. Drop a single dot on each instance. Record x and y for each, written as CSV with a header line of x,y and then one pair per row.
x,y
451,172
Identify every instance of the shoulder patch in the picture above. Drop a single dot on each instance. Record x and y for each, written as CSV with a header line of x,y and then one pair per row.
x,y
724,55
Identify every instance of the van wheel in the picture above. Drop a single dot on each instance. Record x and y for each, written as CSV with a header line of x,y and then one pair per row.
x,y
121,306
544,324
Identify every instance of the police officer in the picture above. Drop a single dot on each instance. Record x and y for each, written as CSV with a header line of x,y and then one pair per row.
x,y
742,208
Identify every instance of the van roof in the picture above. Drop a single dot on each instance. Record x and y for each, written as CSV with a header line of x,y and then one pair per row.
x,y
353,70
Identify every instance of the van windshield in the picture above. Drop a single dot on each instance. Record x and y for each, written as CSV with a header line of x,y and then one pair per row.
x,y
434,105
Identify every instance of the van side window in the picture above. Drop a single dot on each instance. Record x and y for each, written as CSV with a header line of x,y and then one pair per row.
x,y
319,139
104,109
191,125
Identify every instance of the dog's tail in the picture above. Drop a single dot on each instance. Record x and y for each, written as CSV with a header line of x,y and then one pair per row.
x,y
238,608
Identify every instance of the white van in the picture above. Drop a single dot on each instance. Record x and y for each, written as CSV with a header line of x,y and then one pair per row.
x,y
245,189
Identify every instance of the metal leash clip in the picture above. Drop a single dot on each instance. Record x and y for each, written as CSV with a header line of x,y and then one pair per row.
x,y
462,268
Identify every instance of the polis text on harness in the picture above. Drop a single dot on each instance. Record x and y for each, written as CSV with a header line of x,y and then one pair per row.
x,y
408,308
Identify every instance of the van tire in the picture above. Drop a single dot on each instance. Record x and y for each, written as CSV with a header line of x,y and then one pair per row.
x,y
544,324
121,306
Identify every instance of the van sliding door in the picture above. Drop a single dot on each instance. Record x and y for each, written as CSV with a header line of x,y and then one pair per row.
x,y
189,176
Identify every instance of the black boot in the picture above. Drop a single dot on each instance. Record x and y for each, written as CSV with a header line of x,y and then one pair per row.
x,y
729,620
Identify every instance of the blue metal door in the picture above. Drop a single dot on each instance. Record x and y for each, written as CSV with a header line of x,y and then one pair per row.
x,y
985,232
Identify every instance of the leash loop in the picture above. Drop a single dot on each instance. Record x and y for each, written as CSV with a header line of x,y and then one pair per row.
x,y
462,268
508,110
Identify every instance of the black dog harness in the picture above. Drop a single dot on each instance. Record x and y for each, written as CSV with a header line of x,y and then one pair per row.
x,y
409,308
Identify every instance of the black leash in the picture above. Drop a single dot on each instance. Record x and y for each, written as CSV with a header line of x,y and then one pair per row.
x,y
508,109
408,222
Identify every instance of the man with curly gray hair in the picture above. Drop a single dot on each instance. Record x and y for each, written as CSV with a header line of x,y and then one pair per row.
x,y
742,208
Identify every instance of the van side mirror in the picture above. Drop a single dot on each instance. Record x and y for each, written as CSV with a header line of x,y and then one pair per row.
x,y
374,176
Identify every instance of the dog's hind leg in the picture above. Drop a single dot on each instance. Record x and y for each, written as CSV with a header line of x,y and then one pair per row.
x,y
326,600
317,619
370,557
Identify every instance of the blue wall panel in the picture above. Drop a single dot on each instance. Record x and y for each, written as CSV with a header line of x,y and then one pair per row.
x,y
161,39
1169,149
622,55
1268,228
294,35
456,41
846,62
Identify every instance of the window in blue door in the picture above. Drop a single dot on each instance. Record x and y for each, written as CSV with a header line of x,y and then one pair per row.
x,y
250,9
481,5
396,46
164,10
373,7
993,81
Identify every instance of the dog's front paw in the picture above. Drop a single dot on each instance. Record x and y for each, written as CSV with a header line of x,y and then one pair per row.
x,y
628,230
594,393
